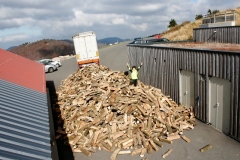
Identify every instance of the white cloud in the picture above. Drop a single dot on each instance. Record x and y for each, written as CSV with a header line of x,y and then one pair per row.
x,y
10,38
118,21
140,27
122,18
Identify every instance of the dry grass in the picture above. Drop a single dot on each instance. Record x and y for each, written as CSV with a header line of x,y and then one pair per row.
x,y
184,31
237,16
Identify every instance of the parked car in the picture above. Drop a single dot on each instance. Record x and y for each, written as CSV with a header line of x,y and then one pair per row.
x,y
157,40
149,40
56,63
48,66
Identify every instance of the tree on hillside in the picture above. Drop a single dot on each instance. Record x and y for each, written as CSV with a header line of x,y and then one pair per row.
x,y
215,11
198,16
172,23
209,12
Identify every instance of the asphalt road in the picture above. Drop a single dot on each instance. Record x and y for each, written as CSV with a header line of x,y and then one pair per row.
x,y
115,57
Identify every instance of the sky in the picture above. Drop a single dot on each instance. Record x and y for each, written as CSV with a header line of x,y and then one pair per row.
x,y
24,21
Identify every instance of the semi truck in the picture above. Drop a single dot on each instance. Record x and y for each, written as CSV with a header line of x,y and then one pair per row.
x,y
86,49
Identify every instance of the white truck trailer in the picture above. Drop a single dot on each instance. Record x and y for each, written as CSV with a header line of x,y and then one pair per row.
x,y
86,48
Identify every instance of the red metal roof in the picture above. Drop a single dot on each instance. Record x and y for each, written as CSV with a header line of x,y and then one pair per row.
x,y
22,71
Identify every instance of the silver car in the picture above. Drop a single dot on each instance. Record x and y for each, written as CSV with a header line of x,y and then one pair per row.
x,y
56,63
48,66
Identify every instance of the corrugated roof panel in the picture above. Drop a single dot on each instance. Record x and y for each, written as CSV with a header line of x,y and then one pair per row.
x,y
24,123
22,71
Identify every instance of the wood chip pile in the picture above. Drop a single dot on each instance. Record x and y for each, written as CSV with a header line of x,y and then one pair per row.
x,y
100,110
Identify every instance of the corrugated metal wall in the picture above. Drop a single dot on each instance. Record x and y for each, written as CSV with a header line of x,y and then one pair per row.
x,y
162,66
24,123
229,34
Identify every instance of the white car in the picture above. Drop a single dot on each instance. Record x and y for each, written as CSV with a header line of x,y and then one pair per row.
x,y
56,63
48,66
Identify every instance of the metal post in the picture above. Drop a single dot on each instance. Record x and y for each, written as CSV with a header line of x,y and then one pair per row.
x,y
225,16
234,14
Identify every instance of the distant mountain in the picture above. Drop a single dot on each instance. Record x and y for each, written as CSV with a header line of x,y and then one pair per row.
x,y
67,40
49,48
110,40
46,48
11,48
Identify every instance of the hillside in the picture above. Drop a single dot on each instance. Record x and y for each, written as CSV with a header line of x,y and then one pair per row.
x,y
46,48
184,31
49,48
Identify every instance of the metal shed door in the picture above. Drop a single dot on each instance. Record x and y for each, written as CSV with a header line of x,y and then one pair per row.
x,y
219,100
187,88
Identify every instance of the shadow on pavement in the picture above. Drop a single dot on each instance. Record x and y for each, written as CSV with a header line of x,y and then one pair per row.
x,y
64,149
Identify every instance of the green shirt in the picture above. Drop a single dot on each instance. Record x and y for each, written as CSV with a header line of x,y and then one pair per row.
x,y
134,73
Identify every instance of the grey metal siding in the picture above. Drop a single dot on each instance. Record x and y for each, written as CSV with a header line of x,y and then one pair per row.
x,y
24,123
229,34
162,66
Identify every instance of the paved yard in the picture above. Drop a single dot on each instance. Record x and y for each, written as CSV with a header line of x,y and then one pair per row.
x,y
224,147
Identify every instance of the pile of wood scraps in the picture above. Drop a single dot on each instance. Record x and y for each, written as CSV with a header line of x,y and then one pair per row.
x,y
100,110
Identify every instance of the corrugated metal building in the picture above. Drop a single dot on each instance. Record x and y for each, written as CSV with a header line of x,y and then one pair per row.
x,y
229,34
24,117
207,80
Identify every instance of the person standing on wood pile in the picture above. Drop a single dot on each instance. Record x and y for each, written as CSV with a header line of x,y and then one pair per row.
x,y
134,73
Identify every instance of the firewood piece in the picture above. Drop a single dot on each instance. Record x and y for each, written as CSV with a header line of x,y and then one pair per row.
x,y
75,140
96,121
135,142
127,142
114,154
149,149
149,124
96,135
143,152
154,146
125,152
180,118
160,120
106,146
186,139
165,140
144,142
169,128
76,150
109,117
127,145
142,110
157,142
101,138
139,139
167,153
170,138
118,134
207,147
114,127
86,152
136,151
147,135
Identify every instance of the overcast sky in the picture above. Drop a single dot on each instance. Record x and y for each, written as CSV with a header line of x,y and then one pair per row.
x,y
28,21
